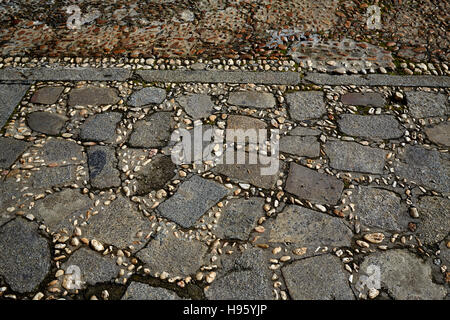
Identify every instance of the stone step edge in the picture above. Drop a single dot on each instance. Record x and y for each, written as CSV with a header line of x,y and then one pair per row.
x,y
209,76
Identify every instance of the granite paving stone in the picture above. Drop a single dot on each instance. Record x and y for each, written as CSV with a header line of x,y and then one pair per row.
x,y
343,157
10,96
252,99
11,149
304,105
100,127
197,105
427,104
47,95
24,255
434,215
142,291
93,96
46,122
152,132
103,170
300,146
373,99
370,127
192,199
439,133
147,95
312,185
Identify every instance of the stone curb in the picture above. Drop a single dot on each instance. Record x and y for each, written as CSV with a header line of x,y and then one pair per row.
x,y
241,77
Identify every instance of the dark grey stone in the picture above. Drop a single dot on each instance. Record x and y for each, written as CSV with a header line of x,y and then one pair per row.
x,y
94,96
373,99
47,95
147,95
24,255
312,185
379,208
303,131
100,127
250,173
155,175
60,150
304,105
142,291
403,275
244,123
309,228
427,104
243,277
47,177
239,217
434,213
439,133
65,74
118,225
11,149
177,256
352,156
197,105
103,171
46,122
193,198
300,146
428,168
267,77
370,127
95,267
252,99
377,80
153,132
317,278
60,209
10,97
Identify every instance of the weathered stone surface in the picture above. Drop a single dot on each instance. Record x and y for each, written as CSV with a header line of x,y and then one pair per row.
x,y
10,96
47,95
351,156
439,133
317,278
11,149
300,146
252,99
142,291
403,275
244,123
302,131
239,217
373,99
61,151
444,255
94,96
152,132
103,167
47,177
246,77
427,104
426,167
312,185
435,219
100,127
148,95
375,126
118,224
308,228
304,105
197,105
193,198
259,174
58,210
46,122
155,175
243,277
176,256
24,255
95,268
65,74
379,208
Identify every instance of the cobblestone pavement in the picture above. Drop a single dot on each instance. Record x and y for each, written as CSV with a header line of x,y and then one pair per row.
x,y
87,182
331,35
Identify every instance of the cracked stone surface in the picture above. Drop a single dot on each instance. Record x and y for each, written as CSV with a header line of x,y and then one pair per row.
x,y
317,278
404,275
185,206
24,255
